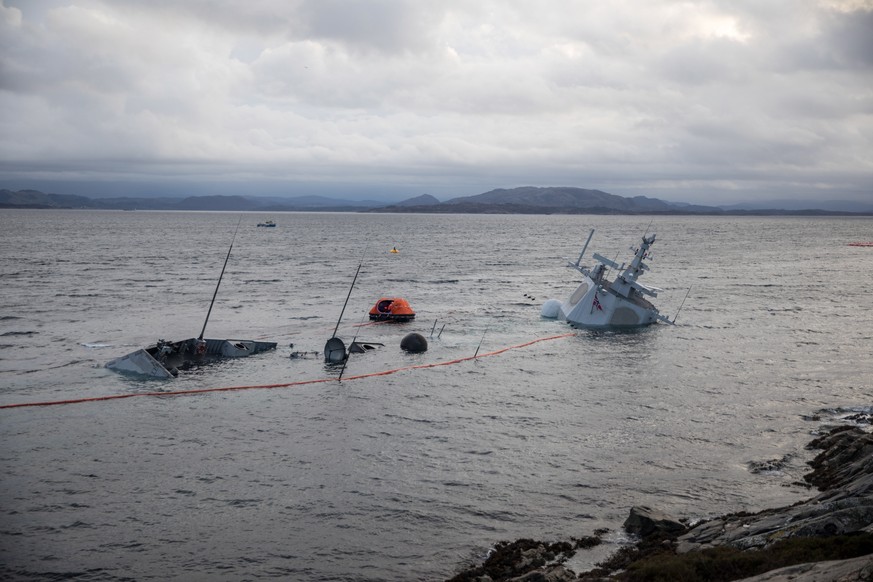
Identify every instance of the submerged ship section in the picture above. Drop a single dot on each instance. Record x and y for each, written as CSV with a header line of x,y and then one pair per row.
x,y
166,358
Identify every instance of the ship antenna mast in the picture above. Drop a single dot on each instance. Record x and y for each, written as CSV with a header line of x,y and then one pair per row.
x,y
648,227
680,306
217,285
350,292
579,260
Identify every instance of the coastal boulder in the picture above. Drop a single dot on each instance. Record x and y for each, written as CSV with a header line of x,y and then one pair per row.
x,y
523,560
847,456
853,570
645,521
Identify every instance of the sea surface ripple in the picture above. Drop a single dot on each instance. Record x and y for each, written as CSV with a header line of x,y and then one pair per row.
x,y
412,475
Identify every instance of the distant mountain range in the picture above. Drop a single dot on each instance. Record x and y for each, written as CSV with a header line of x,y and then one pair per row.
x,y
568,200
524,200
555,200
37,199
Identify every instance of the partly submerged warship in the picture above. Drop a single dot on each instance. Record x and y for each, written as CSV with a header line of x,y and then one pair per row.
x,y
166,358
601,303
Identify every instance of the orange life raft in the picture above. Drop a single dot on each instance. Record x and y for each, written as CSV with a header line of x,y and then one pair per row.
x,y
392,309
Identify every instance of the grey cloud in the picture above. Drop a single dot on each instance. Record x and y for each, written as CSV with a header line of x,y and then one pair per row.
x,y
850,38
698,63
445,96
383,25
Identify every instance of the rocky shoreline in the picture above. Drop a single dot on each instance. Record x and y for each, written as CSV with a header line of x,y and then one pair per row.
x,y
828,537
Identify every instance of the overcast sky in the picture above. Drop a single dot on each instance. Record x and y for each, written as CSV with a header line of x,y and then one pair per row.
x,y
700,101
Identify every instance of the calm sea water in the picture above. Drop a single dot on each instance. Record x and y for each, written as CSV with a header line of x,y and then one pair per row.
x,y
416,474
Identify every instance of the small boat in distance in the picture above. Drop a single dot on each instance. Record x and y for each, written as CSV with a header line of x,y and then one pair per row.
x,y
601,303
267,223
392,309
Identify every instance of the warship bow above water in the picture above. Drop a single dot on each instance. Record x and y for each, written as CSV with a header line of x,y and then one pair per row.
x,y
601,303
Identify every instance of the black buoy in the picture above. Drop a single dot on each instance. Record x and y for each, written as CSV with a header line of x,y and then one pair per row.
x,y
413,343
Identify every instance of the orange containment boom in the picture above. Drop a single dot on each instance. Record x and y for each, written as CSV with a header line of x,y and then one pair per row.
x,y
392,309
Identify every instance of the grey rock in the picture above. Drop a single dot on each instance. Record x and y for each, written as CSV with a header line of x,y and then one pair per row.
x,y
854,570
645,521
553,574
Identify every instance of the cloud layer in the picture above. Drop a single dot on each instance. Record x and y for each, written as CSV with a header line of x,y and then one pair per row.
x,y
703,101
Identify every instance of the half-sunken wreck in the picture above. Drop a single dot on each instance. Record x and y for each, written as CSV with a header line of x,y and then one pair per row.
x,y
599,302
166,358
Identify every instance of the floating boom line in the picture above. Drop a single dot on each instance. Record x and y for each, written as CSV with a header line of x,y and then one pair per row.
x,y
287,384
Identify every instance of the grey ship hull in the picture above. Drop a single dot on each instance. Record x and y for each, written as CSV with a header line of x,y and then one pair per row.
x,y
165,359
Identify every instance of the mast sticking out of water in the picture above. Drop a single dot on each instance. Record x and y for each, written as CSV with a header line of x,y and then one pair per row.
x,y
217,285
680,306
354,279
334,344
579,260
